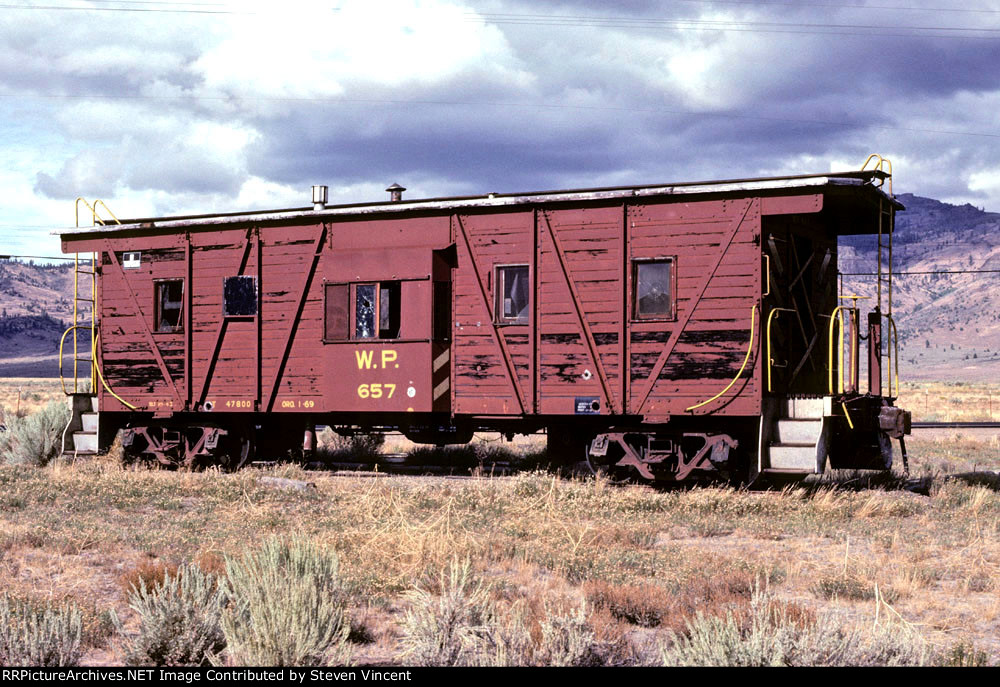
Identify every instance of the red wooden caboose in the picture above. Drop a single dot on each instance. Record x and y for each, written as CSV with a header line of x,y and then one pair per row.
x,y
673,330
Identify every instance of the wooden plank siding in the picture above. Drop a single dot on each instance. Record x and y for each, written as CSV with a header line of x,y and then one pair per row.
x,y
582,293
580,342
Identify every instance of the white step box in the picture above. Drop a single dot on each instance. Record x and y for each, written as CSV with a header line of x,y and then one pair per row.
x,y
804,408
85,442
796,431
89,422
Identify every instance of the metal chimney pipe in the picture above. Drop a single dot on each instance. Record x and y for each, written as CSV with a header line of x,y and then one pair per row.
x,y
319,197
396,192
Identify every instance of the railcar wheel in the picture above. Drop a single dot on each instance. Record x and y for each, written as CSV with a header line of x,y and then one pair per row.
x,y
605,465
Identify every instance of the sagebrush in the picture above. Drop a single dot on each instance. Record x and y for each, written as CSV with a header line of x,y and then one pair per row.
x,y
35,439
768,636
180,620
43,635
287,606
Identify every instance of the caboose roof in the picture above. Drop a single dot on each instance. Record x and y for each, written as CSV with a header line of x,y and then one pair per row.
x,y
771,185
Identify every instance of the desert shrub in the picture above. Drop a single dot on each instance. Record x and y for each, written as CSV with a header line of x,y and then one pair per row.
x,y
287,606
770,637
32,635
963,655
645,606
447,629
462,625
852,586
35,439
179,620
148,573
567,638
335,446
650,605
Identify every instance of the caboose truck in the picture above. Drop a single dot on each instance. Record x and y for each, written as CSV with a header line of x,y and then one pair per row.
x,y
668,332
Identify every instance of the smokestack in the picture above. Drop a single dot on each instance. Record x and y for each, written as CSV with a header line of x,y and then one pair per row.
x,y
319,197
395,192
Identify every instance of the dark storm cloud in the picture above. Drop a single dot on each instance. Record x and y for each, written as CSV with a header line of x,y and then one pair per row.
x,y
494,147
536,102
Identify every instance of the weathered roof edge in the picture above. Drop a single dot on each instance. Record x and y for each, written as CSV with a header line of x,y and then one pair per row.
x,y
498,200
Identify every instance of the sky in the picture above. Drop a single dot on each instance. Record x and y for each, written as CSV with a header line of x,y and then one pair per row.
x,y
160,108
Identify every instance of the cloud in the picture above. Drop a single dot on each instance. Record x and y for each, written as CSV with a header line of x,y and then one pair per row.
x,y
163,112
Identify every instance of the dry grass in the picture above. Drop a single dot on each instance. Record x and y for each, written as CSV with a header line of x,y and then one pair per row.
x,y
639,562
23,396
639,557
951,401
148,574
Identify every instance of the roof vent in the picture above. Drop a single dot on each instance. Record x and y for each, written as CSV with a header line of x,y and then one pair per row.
x,y
319,197
396,192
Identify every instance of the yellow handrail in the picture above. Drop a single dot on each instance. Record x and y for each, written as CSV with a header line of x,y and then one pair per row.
x,y
101,203
840,361
95,219
847,415
62,341
883,162
95,368
753,318
772,315
104,383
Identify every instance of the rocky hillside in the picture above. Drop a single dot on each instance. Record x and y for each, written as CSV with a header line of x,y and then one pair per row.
x,y
949,324
36,305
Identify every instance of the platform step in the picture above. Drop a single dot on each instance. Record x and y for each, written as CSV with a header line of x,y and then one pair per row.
x,y
797,431
804,408
89,422
793,457
85,442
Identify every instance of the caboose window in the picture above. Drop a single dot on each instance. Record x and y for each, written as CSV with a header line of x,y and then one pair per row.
x,y
376,310
654,289
240,296
364,311
169,306
337,324
512,294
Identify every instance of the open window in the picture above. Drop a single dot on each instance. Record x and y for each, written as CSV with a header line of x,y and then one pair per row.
x,y
362,311
240,296
168,310
512,294
654,287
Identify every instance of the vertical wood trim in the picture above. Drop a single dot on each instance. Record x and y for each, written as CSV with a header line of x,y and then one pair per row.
x,y
189,318
497,337
692,306
260,320
296,316
145,327
588,336
535,304
221,329
625,334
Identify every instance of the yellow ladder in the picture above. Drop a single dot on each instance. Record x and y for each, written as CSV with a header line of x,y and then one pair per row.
x,y
84,318
886,229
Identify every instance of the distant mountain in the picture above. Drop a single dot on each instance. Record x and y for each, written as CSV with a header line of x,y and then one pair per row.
x,y
36,305
949,324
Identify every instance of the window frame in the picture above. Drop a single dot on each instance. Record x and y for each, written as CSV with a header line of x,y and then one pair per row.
x,y
256,289
326,314
158,307
635,315
498,290
352,310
